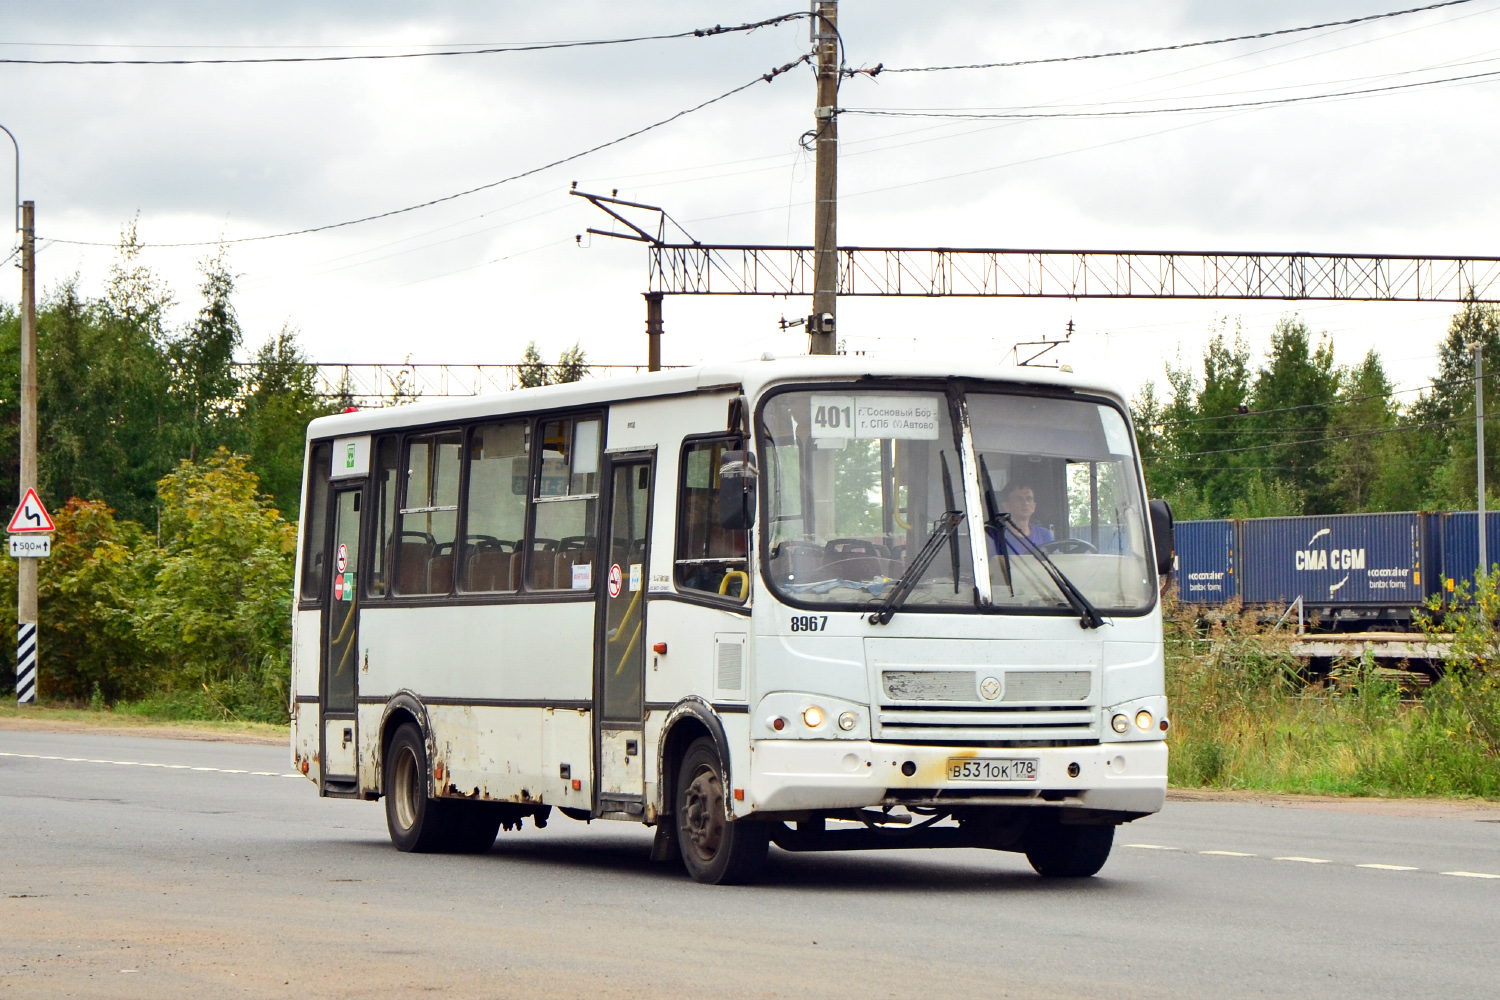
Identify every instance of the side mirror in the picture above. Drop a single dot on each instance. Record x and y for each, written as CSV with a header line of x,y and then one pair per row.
x,y
1161,535
737,477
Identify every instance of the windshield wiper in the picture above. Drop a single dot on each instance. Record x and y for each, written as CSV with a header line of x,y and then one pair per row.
x,y
1088,615
942,530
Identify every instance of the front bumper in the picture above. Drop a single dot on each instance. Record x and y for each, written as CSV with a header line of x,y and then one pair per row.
x,y
803,775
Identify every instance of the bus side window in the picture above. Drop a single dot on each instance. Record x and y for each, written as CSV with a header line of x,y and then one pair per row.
x,y
315,520
710,559
563,547
429,515
387,483
495,514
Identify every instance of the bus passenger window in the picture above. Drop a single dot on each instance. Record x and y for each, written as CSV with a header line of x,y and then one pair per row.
x,y
563,544
387,450
710,559
315,523
495,518
429,517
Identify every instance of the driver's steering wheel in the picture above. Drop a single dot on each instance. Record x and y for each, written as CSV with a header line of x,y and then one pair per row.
x,y
1067,546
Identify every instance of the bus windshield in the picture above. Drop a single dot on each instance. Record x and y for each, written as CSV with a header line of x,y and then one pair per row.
x,y
857,483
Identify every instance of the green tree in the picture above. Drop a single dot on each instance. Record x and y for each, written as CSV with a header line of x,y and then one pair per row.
x,y
219,617
202,364
281,399
1291,405
1362,447
572,366
1449,447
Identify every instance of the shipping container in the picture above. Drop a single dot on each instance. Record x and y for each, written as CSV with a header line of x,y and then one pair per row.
x,y
1458,545
1366,567
1203,567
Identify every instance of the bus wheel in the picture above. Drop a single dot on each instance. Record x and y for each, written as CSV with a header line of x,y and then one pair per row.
x,y
1058,851
715,851
416,822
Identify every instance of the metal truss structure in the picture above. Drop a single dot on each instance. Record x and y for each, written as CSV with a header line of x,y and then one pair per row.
x,y
722,269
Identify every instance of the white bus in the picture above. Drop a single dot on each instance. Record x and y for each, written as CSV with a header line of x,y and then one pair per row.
x,y
822,603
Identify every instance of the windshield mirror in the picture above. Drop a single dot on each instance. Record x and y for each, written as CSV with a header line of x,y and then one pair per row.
x,y
1065,472
854,483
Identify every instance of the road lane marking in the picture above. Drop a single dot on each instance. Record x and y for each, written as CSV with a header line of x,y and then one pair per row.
x,y
142,763
1472,874
1391,868
1306,861
1153,847
1229,854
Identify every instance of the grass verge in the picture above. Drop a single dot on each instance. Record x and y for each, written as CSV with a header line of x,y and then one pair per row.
x,y
132,717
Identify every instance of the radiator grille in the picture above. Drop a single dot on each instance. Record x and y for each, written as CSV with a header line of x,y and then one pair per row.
x,y
1046,685
731,665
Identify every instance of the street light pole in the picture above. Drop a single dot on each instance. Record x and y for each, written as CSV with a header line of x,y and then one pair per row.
x,y
1478,347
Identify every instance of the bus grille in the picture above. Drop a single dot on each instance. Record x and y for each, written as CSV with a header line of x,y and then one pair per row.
x,y
1034,707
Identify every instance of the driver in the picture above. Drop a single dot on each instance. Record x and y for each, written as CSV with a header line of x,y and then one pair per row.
x,y
1020,503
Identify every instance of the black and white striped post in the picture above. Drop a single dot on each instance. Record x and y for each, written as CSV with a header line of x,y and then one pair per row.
x,y
26,663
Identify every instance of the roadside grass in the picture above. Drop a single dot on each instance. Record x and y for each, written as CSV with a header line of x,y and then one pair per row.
x,y
1245,717
140,715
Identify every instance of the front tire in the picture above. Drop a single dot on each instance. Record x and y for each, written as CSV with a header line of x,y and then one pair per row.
x,y
714,850
1058,851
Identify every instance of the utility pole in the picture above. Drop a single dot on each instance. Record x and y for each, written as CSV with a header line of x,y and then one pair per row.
x,y
820,328
653,331
1478,347
26,610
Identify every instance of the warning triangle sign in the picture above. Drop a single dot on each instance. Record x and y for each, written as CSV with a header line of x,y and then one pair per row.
x,y
31,516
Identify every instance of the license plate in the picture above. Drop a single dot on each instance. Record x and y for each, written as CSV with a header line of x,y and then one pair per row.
x,y
992,769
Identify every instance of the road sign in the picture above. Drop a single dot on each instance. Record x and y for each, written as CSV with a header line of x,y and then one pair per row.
x,y
30,546
31,515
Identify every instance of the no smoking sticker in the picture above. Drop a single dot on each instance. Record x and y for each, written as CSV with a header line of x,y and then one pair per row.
x,y
342,563
615,579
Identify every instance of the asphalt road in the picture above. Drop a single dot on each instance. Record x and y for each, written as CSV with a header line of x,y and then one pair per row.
x,y
205,878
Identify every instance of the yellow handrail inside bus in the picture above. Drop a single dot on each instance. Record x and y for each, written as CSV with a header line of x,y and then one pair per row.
x,y
901,522
735,574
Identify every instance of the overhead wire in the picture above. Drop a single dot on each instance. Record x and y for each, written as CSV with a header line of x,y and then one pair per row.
x,y
764,77
372,56
1160,48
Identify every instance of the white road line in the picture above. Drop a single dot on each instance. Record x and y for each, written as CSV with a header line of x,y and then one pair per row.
x,y
142,763
1472,874
1391,868
1229,854
1153,847
1308,861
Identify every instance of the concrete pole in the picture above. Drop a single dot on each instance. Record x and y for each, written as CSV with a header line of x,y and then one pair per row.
x,y
26,611
653,331
1484,555
821,332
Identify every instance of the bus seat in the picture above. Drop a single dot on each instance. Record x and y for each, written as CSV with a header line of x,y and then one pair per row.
x,y
411,563
440,573
798,562
488,570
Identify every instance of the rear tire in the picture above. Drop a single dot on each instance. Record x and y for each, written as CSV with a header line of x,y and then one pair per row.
x,y
473,826
714,850
1058,851
417,823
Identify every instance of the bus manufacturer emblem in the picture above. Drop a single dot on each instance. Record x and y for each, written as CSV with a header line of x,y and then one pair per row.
x,y
615,579
990,688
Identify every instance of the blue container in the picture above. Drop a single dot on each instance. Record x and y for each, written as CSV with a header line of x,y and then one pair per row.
x,y
1458,540
1204,565
1336,560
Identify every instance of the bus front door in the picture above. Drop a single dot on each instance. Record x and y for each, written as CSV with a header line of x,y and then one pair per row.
x,y
341,647
620,657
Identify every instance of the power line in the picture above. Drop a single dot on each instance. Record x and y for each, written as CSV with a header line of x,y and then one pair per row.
x,y
1135,112
764,77
1158,48
499,49
1318,440
1469,380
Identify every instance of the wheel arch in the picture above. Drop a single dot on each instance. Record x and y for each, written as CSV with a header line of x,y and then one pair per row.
x,y
404,707
690,719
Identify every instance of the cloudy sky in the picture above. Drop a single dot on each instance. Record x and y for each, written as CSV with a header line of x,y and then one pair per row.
x,y
204,152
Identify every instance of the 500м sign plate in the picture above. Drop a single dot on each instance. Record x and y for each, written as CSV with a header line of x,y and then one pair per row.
x,y
30,546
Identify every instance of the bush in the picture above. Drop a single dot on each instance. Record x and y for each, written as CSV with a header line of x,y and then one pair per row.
x,y
219,616
88,592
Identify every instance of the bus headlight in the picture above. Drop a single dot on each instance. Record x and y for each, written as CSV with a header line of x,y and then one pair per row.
x,y
812,717
1143,719
847,721
1119,723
